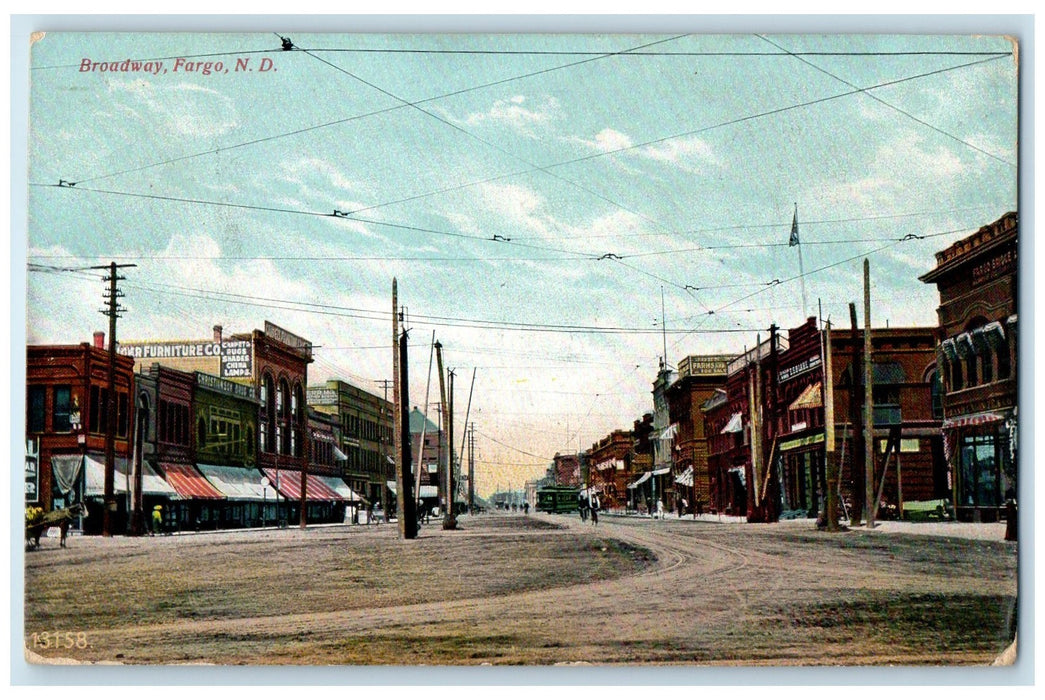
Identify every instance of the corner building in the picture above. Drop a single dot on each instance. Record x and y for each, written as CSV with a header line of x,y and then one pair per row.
x,y
976,279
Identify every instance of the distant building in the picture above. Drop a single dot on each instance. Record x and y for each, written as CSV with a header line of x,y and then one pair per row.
x,y
566,470
976,278
364,438
612,465
699,376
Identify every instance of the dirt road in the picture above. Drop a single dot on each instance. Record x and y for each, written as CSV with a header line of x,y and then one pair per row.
x,y
509,589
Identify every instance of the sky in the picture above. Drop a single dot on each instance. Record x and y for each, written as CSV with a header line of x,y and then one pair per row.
x,y
559,210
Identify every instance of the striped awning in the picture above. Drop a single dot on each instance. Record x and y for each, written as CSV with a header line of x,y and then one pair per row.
x,y
975,419
733,426
341,488
685,478
289,486
237,483
152,483
641,480
188,482
809,398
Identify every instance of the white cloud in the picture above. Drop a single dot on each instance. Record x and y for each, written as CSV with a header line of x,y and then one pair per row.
x,y
685,153
185,109
515,113
608,140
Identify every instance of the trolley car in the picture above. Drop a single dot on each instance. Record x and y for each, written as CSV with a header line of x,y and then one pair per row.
x,y
557,499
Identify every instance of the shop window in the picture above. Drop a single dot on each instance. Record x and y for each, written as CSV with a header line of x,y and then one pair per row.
x,y
986,367
36,400
1004,364
99,400
936,394
60,414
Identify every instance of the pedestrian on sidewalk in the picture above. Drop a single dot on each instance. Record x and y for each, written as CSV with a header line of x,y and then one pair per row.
x,y
595,505
660,509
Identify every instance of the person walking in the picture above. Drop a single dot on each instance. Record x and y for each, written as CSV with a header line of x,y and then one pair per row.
x,y
582,505
157,520
595,505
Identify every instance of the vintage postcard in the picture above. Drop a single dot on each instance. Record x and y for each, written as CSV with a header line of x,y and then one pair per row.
x,y
603,349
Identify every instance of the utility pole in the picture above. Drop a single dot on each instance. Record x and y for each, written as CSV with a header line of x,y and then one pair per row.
x,y
855,472
113,311
400,395
471,469
831,466
450,519
868,402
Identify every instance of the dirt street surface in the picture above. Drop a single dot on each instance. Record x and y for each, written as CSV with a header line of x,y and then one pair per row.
x,y
512,589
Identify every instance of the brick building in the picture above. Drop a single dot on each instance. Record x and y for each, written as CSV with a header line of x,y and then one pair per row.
x,y
67,394
698,378
612,465
976,279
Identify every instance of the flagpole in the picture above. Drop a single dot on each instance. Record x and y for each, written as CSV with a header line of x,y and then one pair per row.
x,y
801,267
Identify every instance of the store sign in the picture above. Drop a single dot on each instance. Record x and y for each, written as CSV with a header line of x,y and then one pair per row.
x,y
236,359
284,336
224,386
704,365
322,397
995,267
234,356
801,368
32,471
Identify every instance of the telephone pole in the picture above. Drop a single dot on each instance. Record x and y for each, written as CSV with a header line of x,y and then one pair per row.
x,y
868,403
471,469
113,310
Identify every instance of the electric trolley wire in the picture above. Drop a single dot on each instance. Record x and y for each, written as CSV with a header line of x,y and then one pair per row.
x,y
887,104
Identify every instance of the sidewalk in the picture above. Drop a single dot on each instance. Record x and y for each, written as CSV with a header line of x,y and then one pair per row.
x,y
933,528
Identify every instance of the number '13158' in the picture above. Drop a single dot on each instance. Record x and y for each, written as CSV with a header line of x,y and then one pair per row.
x,y
60,640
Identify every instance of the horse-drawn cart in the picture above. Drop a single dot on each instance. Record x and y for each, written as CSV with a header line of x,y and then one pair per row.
x,y
37,522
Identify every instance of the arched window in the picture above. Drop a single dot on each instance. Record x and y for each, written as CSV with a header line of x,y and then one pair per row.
x,y
283,417
267,427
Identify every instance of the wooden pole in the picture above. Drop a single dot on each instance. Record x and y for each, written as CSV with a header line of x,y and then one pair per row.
x,y
831,465
856,473
868,402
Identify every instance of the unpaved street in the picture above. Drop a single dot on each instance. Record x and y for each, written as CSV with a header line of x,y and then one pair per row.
x,y
509,589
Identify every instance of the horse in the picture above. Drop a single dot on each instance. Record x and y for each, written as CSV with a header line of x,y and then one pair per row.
x,y
56,518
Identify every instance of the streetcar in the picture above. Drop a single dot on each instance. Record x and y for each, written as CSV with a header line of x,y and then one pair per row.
x,y
557,499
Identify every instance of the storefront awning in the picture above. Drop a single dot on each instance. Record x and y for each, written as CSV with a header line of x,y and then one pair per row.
x,y
289,485
734,425
152,483
237,483
805,441
427,490
662,471
809,398
641,480
341,488
188,482
975,419
685,478
669,432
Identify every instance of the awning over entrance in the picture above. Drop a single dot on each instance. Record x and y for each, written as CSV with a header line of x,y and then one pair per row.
x,y
341,488
661,472
237,483
188,482
810,398
152,483
734,425
685,478
427,490
641,480
289,484
974,419
805,441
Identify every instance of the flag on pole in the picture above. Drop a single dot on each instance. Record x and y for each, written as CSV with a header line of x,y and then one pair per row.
x,y
794,229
